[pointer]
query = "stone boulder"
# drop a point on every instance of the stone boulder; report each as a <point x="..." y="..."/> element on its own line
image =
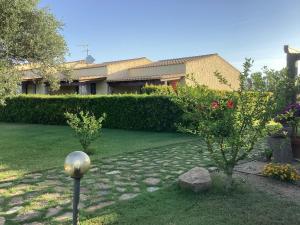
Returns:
<point x="197" y="179"/>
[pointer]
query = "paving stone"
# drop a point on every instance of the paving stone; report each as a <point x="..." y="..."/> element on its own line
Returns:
<point x="120" y="189"/>
<point x="103" y="186"/>
<point x="98" y="206"/>
<point x="34" y="223"/>
<point x="136" y="189"/>
<point x="83" y="197"/>
<point x="27" y="216"/>
<point x="127" y="196"/>
<point x="14" y="210"/>
<point x="212" y="169"/>
<point x="60" y="189"/>
<point x="94" y="169"/>
<point x="103" y="193"/>
<point x="7" y="184"/>
<point x="64" y="217"/>
<point x="152" y="181"/>
<point x="2" y="220"/>
<point x="152" y="189"/>
<point x="16" y="201"/>
<point x="53" y="211"/>
<point x="113" y="172"/>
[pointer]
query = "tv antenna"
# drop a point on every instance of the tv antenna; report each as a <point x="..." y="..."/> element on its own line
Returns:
<point x="85" y="48"/>
<point x="89" y="59"/>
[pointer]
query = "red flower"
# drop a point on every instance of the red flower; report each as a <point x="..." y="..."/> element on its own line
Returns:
<point x="230" y="104"/>
<point x="215" y="104"/>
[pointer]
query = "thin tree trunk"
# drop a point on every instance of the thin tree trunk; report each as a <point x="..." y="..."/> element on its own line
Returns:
<point x="229" y="179"/>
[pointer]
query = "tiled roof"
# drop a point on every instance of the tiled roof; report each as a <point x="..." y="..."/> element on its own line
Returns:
<point x="87" y="78"/>
<point x="168" y="62"/>
<point x="139" y="78"/>
<point x="87" y="66"/>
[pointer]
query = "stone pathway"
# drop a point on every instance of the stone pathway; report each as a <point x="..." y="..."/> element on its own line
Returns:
<point x="45" y="197"/>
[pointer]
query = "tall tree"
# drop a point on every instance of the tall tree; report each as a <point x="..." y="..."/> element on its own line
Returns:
<point x="28" y="35"/>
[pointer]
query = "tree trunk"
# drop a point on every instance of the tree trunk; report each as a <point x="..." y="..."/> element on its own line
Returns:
<point x="229" y="179"/>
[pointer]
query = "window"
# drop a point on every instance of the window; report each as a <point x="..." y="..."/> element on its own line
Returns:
<point x="93" y="88"/>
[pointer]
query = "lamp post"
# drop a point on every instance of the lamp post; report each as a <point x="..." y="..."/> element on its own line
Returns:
<point x="76" y="165"/>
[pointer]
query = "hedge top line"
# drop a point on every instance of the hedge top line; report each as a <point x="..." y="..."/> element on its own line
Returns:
<point x="42" y="96"/>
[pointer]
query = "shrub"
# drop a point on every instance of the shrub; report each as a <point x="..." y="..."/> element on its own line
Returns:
<point x="273" y="128"/>
<point x="133" y="112"/>
<point x="284" y="172"/>
<point x="157" y="89"/>
<point x="86" y="127"/>
<point x="230" y="123"/>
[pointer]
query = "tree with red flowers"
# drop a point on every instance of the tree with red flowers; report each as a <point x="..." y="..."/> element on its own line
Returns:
<point x="229" y="122"/>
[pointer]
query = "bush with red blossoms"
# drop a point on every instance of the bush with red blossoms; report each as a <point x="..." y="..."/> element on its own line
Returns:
<point x="230" y="122"/>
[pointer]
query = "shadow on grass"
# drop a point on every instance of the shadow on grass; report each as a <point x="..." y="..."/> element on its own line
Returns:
<point x="173" y="206"/>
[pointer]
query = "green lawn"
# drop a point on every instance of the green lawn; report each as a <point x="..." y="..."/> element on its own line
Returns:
<point x="173" y="206"/>
<point x="25" y="147"/>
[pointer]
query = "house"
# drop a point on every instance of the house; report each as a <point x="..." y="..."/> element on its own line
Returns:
<point x="129" y="76"/>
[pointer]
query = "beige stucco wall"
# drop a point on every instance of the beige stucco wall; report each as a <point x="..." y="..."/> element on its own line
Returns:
<point x="101" y="88"/>
<point x="30" y="89"/>
<point x="157" y="70"/>
<point x="41" y="88"/>
<point x="203" y="71"/>
<point x="98" y="71"/>
<point x="127" y="64"/>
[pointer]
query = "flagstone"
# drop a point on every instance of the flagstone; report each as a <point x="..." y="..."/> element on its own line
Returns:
<point x="113" y="172"/>
<point x="116" y="178"/>
<point x="53" y="211"/>
<point x="27" y="216"/>
<point x="7" y="184"/>
<point x="120" y="189"/>
<point x="152" y="189"/>
<point x="94" y="169"/>
<point x="2" y="220"/>
<point x="33" y="223"/>
<point x="128" y="196"/>
<point x="16" y="201"/>
<point x="152" y="181"/>
<point x="14" y="210"/>
<point x="98" y="206"/>
<point x="64" y="217"/>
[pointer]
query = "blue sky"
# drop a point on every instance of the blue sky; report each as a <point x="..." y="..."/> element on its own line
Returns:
<point x="161" y="29"/>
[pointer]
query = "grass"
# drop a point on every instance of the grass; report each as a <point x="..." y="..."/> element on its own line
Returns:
<point x="27" y="147"/>
<point x="172" y="206"/>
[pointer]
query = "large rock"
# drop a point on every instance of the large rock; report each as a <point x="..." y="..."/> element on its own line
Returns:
<point x="197" y="179"/>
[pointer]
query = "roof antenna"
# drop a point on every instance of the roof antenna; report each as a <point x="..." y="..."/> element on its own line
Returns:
<point x="88" y="59"/>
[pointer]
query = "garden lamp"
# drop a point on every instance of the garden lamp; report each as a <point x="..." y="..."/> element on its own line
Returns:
<point x="76" y="165"/>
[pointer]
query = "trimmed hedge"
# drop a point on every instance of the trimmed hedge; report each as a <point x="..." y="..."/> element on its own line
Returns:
<point x="137" y="112"/>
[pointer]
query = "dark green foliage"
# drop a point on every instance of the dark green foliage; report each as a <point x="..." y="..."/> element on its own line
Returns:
<point x="136" y="112"/>
<point x="151" y="89"/>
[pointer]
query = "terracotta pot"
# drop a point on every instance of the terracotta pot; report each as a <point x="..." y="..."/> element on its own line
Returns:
<point x="296" y="147"/>
<point x="281" y="148"/>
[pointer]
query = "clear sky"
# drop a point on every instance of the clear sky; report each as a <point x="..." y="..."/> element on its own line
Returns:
<point x="161" y="29"/>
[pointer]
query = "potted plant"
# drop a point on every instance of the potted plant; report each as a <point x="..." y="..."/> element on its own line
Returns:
<point x="290" y="119"/>
<point x="279" y="142"/>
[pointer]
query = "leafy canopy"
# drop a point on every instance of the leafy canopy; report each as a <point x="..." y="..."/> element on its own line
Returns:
<point x="28" y="35"/>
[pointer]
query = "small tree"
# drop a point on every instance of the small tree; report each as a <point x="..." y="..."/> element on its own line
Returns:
<point x="229" y="122"/>
<point x="86" y="126"/>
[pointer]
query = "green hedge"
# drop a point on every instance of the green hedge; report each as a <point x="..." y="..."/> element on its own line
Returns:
<point x="137" y="112"/>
